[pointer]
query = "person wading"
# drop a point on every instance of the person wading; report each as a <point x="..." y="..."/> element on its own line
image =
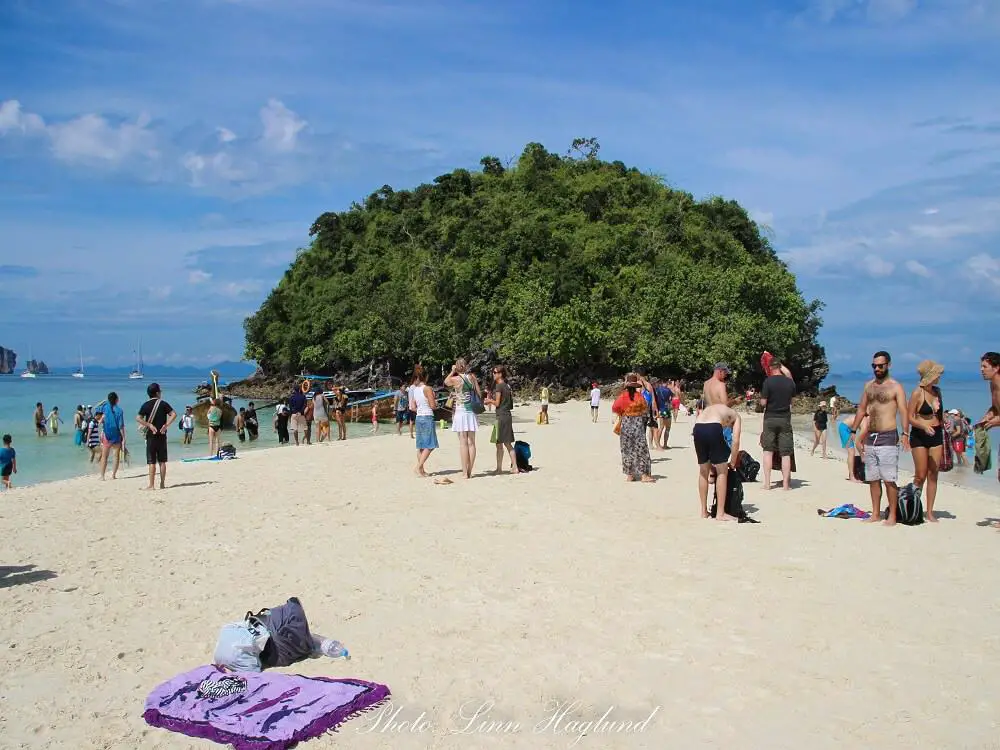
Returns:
<point x="884" y="400"/>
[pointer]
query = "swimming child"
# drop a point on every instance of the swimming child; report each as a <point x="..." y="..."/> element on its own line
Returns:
<point x="8" y="461"/>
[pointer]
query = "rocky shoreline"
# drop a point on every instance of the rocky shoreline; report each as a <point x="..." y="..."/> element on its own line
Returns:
<point x="260" y="387"/>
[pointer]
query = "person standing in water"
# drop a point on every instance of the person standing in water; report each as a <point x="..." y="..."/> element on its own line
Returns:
<point x="253" y="425"/>
<point x="927" y="436"/>
<point x="78" y="424"/>
<point x="54" y="420"/>
<point x="40" y="429"/>
<point x="884" y="401"/>
<point x="187" y="426"/>
<point x="241" y="425"/>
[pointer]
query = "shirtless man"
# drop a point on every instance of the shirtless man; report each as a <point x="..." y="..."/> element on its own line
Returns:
<point x="714" y="389"/>
<point x="989" y="368"/>
<point x="885" y="401"/>
<point x="712" y="451"/>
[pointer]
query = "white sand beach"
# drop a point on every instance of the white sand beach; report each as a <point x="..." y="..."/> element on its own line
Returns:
<point x="511" y="594"/>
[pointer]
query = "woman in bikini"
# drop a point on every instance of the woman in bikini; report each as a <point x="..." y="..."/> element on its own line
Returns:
<point x="214" y="427"/>
<point x="927" y="432"/>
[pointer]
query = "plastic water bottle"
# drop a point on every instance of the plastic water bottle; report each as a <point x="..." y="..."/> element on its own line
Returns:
<point x="334" y="649"/>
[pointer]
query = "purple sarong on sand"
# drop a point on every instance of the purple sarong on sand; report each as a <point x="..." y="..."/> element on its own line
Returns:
<point x="274" y="712"/>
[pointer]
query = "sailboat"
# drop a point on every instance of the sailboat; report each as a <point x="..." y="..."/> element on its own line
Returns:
<point x="28" y="372"/>
<point x="136" y="373"/>
<point x="79" y="373"/>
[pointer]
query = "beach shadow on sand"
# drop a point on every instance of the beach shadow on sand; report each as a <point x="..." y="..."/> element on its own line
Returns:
<point x="986" y="522"/>
<point x="944" y="515"/>
<point x="190" y="484"/>
<point x="15" y="575"/>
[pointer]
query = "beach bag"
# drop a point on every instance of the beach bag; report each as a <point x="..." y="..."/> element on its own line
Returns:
<point x="522" y="454"/>
<point x="747" y="467"/>
<point x="734" y="499"/>
<point x="493" y="435"/>
<point x="290" y="640"/>
<point x="475" y="400"/>
<point x="947" y="454"/>
<point x="910" y="509"/>
<point x="859" y="468"/>
<point x="239" y="647"/>
<point x="227" y="451"/>
<point x="617" y="429"/>
<point x="152" y="413"/>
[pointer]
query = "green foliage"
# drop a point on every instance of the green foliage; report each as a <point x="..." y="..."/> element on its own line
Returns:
<point x="564" y="267"/>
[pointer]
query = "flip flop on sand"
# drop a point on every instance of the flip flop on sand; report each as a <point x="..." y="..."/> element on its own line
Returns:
<point x="443" y="480"/>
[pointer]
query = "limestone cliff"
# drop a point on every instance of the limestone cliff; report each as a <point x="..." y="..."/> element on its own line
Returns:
<point x="8" y="361"/>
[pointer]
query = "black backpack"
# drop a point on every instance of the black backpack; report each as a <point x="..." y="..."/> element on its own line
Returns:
<point x="910" y="510"/>
<point x="227" y="451"/>
<point x="734" y="499"/>
<point x="747" y="467"/>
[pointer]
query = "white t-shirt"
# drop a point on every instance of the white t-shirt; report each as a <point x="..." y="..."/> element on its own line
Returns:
<point x="595" y="397"/>
<point x="833" y="401"/>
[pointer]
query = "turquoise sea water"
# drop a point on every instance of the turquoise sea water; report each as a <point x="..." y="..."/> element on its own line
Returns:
<point x="56" y="457"/>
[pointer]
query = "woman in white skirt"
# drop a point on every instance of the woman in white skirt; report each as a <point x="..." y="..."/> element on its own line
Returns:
<point x="464" y="421"/>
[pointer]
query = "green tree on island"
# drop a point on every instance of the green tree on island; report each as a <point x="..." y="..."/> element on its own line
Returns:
<point x="565" y="267"/>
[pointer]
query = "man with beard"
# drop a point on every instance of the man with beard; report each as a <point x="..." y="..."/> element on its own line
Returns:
<point x="884" y="400"/>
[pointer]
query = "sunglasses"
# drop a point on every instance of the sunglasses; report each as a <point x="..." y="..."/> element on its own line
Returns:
<point x="876" y="366"/>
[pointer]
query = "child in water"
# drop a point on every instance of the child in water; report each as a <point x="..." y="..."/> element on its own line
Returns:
<point x="374" y="418"/>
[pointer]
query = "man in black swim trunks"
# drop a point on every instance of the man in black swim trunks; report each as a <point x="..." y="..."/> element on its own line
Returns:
<point x="712" y="451"/>
<point x="156" y="416"/>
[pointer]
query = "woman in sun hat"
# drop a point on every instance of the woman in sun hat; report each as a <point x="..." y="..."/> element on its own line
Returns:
<point x="927" y="432"/>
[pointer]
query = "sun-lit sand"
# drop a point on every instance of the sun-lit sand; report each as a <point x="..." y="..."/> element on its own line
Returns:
<point x="510" y="596"/>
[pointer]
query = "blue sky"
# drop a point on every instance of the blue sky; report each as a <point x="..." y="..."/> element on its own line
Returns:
<point x="160" y="161"/>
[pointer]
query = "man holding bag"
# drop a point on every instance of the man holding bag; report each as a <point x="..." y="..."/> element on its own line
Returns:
<point x="154" y="418"/>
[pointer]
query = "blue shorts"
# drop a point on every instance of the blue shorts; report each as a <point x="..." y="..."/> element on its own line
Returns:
<point x="404" y="417"/>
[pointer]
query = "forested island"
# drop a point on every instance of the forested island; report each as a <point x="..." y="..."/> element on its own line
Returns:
<point x="565" y="267"/>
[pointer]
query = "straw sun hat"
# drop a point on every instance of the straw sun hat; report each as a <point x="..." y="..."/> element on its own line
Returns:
<point x="928" y="370"/>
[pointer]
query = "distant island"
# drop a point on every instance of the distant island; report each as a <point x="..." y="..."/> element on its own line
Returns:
<point x="8" y="361"/>
<point x="565" y="267"/>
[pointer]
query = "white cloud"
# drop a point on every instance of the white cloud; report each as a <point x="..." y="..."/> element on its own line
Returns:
<point x="225" y="135"/>
<point x="160" y="293"/>
<point x="917" y="268"/>
<point x="983" y="270"/>
<point x="281" y="125"/>
<point x="91" y="137"/>
<point x="221" y="166"/>
<point x="877" y="266"/>
<point x="12" y="117"/>
<point x="929" y="211"/>
<point x="239" y="288"/>
<point x="198" y="277"/>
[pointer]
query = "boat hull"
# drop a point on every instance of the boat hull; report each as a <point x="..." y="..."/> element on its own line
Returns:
<point x="200" y="412"/>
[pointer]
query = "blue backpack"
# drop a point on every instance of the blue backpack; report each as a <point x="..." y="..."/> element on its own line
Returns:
<point x="522" y="452"/>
